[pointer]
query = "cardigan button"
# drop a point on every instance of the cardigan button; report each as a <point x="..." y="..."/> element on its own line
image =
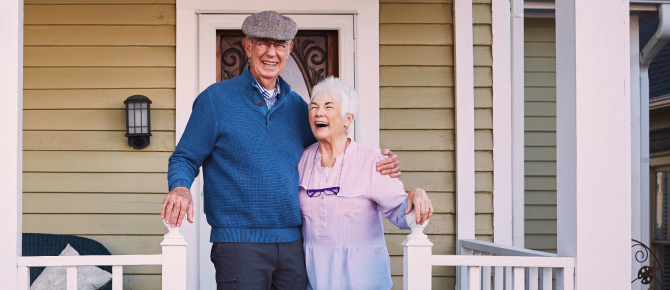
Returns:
<point x="269" y="118"/>
<point x="260" y="103"/>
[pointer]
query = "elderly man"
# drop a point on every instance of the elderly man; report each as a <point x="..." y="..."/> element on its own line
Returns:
<point x="248" y="134"/>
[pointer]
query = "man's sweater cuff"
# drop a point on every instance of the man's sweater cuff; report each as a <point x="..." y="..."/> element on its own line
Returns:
<point x="180" y="182"/>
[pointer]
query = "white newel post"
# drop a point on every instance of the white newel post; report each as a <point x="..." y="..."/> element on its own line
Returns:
<point x="174" y="260"/>
<point x="593" y="143"/>
<point x="417" y="259"/>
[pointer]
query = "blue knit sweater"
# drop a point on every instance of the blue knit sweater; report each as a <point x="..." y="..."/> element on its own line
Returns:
<point x="249" y="156"/>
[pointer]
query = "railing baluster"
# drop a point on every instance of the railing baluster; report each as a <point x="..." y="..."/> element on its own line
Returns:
<point x="546" y="278"/>
<point x="519" y="278"/>
<point x="475" y="278"/>
<point x="117" y="277"/>
<point x="72" y="278"/>
<point x="24" y="278"/>
<point x="532" y="278"/>
<point x="499" y="276"/>
<point x="508" y="278"/>
<point x="486" y="278"/>
<point x="567" y="277"/>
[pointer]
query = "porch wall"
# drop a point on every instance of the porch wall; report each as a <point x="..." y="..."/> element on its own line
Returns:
<point x="540" y="136"/>
<point x="417" y="117"/>
<point x="81" y="61"/>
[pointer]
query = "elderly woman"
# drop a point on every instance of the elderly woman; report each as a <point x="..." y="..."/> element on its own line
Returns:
<point x="342" y="198"/>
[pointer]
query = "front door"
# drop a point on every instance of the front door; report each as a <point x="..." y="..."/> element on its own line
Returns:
<point x="324" y="46"/>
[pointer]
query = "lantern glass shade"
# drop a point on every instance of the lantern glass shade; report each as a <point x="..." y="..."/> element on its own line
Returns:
<point x="138" y="121"/>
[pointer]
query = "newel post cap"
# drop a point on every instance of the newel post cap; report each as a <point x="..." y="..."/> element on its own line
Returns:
<point x="417" y="237"/>
<point x="173" y="237"/>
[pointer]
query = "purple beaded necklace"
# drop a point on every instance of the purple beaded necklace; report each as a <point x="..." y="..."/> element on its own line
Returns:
<point x="330" y="190"/>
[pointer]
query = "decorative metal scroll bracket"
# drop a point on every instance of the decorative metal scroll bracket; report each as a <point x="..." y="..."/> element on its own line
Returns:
<point x="647" y="274"/>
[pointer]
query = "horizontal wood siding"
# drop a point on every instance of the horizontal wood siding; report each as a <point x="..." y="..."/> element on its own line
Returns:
<point x="417" y="117"/>
<point x="540" y="135"/>
<point x="82" y="59"/>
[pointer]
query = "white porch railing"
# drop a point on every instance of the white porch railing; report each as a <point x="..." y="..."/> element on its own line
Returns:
<point x="172" y="260"/>
<point x="491" y="266"/>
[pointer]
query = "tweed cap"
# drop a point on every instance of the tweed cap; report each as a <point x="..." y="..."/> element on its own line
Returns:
<point x="271" y="25"/>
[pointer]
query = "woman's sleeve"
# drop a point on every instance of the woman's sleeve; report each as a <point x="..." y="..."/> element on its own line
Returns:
<point x="389" y="194"/>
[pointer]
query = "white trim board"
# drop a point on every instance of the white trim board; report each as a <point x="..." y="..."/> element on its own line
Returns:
<point x="365" y="26"/>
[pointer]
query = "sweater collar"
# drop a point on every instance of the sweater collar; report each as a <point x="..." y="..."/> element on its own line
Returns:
<point x="247" y="81"/>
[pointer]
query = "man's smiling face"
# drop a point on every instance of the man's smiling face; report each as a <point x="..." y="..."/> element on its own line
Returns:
<point x="267" y="58"/>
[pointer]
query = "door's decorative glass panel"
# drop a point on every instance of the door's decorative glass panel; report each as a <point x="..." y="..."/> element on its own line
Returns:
<point x="293" y="76"/>
<point x="661" y="205"/>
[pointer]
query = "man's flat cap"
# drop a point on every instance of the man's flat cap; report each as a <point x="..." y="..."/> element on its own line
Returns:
<point x="271" y="25"/>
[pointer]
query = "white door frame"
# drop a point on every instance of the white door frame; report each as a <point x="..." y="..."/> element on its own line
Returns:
<point x="190" y="79"/>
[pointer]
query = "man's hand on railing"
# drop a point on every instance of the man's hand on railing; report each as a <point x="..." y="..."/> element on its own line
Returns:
<point x="418" y="199"/>
<point x="177" y="205"/>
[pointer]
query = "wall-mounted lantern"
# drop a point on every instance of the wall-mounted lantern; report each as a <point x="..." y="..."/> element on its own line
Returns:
<point x="138" y="121"/>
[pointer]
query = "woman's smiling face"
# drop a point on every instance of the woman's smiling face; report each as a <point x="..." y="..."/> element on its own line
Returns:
<point x="325" y="118"/>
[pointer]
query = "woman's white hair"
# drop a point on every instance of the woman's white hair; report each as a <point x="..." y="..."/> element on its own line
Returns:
<point x="343" y="94"/>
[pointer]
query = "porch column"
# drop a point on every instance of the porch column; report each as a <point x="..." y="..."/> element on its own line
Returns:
<point x="11" y="86"/>
<point x="594" y="140"/>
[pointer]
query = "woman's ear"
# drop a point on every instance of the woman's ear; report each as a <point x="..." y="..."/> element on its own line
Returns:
<point x="348" y="120"/>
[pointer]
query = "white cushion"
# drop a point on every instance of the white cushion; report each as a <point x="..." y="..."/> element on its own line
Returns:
<point x="55" y="278"/>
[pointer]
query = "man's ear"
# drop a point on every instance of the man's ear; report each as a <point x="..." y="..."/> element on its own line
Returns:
<point x="290" y="47"/>
<point x="246" y="42"/>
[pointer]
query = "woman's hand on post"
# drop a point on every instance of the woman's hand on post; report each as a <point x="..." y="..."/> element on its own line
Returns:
<point x="177" y="205"/>
<point x="389" y="165"/>
<point x="423" y="208"/>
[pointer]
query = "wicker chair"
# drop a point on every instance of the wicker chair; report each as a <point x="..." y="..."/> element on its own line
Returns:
<point x="53" y="245"/>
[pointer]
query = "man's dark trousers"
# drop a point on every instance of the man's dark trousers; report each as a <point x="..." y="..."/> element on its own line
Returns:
<point x="256" y="266"/>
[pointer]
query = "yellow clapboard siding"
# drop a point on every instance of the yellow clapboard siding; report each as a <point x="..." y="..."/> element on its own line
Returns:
<point x="437" y="282"/>
<point x="541" y="242"/>
<point x="540" y="109"/>
<point x="417" y="119"/>
<point x="443" y="202"/>
<point x="95" y="161"/>
<point x="417" y="139"/>
<point x="426" y="160"/>
<point x="56" y="35"/>
<point x="542" y="168"/>
<point x="540" y="79"/>
<point x="540" y="49"/>
<point x="93" y="224"/>
<point x="540" y="94"/>
<point x="483" y="56"/>
<point x="540" y="34"/>
<point x="540" y="197"/>
<point x="439" y="224"/>
<point x="397" y="269"/>
<point x="95" y="98"/>
<point x="659" y="160"/>
<point x="416" y="34"/>
<point x="98" y="78"/>
<point x="416" y="55"/>
<point x="483" y="98"/>
<point x="442" y="244"/>
<point x="540" y="22"/>
<point x="482" y="34"/>
<point x="418" y="97"/>
<point x="484" y="181"/>
<point x="483" y="161"/>
<point x="540" y="64"/>
<point x="130" y="245"/>
<point x="88" y="140"/>
<point x="540" y="183"/>
<point x="540" y="138"/>
<point x="538" y="124"/>
<point x="481" y="13"/>
<point x="539" y="212"/>
<point x="429" y="181"/>
<point x="416" y="76"/>
<point x="141" y="282"/>
<point x="483" y="140"/>
<point x="483" y="119"/>
<point x="483" y="224"/>
<point x="91" y="120"/>
<point x="100" y="14"/>
<point x="92" y="203"/>
<point x="33" y="2"/>
<point x="95" y="182"/>
<point x="415" y="13"/>
<point x="483" y="77"/>
<point x="153" y="56"/>
<point x="483" y="202"/>
<point x="540" y="153"/>
<point x="541" y="227"/>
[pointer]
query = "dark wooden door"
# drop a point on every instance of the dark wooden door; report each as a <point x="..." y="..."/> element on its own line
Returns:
<point x="314" y="57"/>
